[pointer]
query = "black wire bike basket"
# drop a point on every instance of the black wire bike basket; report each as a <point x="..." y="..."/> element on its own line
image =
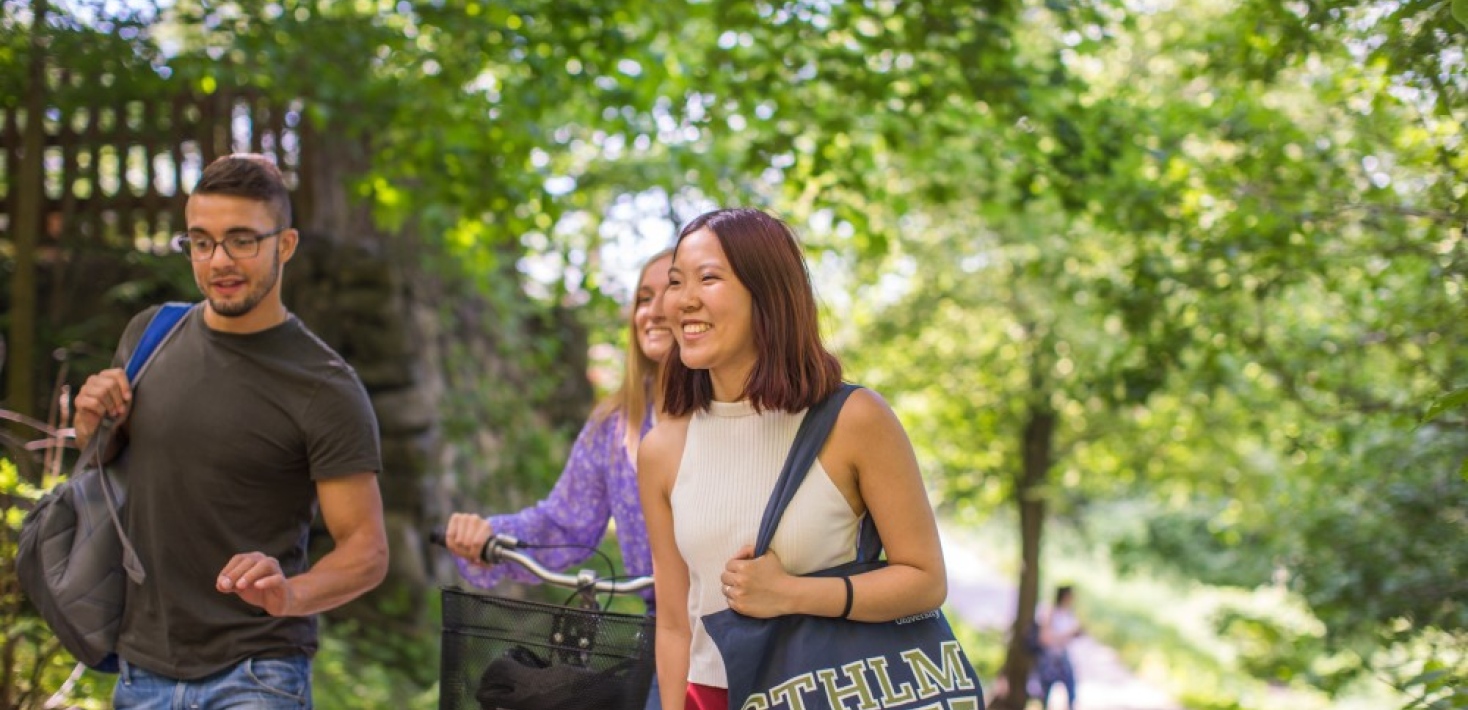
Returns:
<point x="512" y="654"/>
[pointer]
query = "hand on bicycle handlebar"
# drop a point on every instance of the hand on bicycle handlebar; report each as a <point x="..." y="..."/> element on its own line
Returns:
<point x="505" y="548"/>
<point x="467" y="535"/>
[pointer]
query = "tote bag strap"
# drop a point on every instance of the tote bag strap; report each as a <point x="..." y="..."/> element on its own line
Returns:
<point x="809" y="439"/>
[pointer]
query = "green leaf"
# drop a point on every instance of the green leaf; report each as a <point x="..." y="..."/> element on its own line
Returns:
<point x="1452" y="400"/>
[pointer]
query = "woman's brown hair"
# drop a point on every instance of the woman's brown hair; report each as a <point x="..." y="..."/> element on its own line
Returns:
<point x="793" y="370"/>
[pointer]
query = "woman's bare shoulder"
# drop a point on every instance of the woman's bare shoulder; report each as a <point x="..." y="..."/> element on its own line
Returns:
<point x="865" y="411"/>
<point x="867" y="433"/>
<point x="663" y="446"/>
<point x="668" y="429"/>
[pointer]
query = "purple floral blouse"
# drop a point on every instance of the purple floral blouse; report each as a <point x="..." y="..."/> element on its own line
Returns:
<point x="598" y="484"/>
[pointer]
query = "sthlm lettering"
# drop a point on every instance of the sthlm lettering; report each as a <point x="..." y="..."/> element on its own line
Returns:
<point x="870" y="685"/>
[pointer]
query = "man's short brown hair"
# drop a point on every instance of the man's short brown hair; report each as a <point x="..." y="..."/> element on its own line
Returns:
<point x="252" y="176"/>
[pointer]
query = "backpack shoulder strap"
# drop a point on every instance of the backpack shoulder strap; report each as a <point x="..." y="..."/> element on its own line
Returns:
<point x="162" y="327"/>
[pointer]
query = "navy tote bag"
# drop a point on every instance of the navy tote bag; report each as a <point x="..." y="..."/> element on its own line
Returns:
<point x="824" y="663"/>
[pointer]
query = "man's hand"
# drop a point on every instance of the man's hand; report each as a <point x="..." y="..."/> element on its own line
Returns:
<point x="257" y="579"/>
<point x="105" y="394"/>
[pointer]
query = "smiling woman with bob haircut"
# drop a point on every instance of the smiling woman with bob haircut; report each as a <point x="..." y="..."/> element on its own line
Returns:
<point x="746" y="365"/>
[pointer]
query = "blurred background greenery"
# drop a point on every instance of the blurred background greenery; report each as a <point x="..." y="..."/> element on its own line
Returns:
<point x="1169" y="293"/>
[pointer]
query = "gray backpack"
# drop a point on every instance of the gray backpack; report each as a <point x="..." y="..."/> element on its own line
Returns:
<point x="73" y="558"/>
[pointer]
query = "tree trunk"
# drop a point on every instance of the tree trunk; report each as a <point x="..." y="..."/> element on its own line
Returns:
<point x="30" y="193"/>
<point x="1037" y="456"/>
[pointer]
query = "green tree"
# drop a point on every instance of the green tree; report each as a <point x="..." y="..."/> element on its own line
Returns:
<point x="1208" y="258"/>
<point x="1223" y="276"/>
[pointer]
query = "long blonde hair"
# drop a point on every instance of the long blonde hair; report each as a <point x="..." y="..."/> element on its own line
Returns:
<point x="639" y="375"/>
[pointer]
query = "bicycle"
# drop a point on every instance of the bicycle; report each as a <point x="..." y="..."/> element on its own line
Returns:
<point x="511" y="654"/>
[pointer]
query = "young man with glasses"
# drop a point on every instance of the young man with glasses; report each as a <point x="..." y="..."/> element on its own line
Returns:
<point x="247" y="422"/>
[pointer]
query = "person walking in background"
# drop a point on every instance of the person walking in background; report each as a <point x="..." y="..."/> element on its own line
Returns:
<point x="747" y="364"/>
<point x="1058" y="629"/>
<point x="599" y="482"/>
<point x="248" y="422"/>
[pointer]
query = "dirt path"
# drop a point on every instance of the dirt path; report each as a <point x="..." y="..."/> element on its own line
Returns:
<point x="984" y="597"/>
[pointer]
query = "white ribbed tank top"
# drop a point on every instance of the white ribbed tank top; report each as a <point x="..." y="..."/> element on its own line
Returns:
<point x="731" y="460"/>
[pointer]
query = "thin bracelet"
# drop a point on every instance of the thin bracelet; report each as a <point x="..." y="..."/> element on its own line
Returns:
<point x="846" y="611"/>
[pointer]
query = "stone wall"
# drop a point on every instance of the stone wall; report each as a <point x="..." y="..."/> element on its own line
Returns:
<point x="413" y="341"/>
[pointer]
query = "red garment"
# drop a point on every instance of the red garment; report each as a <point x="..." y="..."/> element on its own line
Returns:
<point x="703" y="697"/>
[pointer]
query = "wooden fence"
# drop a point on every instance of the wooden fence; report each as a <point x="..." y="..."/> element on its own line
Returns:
<point x="117" y="174"/>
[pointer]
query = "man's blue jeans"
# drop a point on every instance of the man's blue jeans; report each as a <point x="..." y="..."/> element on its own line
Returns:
<point x="253" y="684"/>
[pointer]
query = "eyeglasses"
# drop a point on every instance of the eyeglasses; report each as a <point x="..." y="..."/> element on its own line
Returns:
<point x="238" y="245"/>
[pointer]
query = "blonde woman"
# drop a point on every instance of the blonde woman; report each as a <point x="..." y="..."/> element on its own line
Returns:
<point x="599" y="482"/>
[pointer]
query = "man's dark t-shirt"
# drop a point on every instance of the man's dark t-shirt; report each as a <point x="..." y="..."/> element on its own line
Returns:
<point x="226" y="438"/>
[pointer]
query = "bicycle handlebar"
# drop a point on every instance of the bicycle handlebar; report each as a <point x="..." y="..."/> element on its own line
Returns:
<point x="500" y="548"/>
